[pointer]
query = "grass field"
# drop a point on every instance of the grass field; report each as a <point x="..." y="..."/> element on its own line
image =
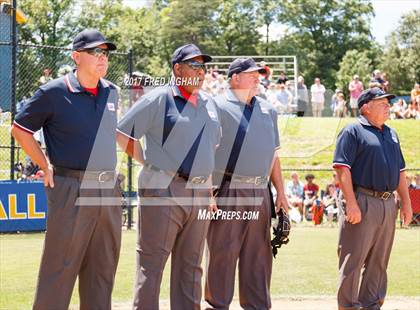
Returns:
<point x="306" y="266"/>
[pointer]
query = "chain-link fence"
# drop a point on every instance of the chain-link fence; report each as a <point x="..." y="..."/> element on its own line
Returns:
<point x="36" y="65"/>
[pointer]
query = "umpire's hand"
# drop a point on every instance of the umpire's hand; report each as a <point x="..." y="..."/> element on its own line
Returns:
<point x="282" y="203"/>
<point x="406" y="213"/>
<point x="48" y="176"/>
<point x="353" y="214"/>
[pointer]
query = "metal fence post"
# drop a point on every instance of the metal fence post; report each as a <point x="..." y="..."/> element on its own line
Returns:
<point x="13" y="95"/>
<point x="129" y="160"/>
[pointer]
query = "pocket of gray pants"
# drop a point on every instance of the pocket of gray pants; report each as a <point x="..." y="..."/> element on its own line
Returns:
<point x="362" y="201"/>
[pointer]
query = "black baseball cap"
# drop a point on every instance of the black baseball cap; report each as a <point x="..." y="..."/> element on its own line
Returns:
<point x="186" y="52"/>
<point x="90" y="38"/>
<point x="371" y="94"/>
<point x="243" y="65"/>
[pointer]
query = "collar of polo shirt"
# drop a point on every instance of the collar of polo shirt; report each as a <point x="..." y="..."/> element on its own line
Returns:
<point x="363" y="120"/>
<point x="230" y="96"/>
<point x="74" y="86"/>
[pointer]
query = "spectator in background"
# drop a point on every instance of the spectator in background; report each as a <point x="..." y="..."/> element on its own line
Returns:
<point x="265" y="74"/>
<point x="334" y="99"/>
<point x="46" y="77"/>
<point x="31" y="170"/>
<point x="310" y="191"/>
<point x="209" y="83"/>
<point x="294" y="193"/>
<point x="376" y="80"/>
<point x="137" y="86"/>
<point x="340" y="109"/>
<point x="412" y="111"/>
<point x="271" y="94"/>
<point x="64" y="70"/>
<point x="387" y="84"/>
<point x="302" y="96"/>
<point x="355" y="89"/>
<point x="317" y="97"/>
<point x="282" y="78"/>
<point x="410" y="181"/>
<point x="284" y="99"/>
<point x="329" y="202"/>
<point x="397" y="111"/>
<point x="221" y="85"/>
<point x="415" y="92"/>
<point x="261" y="91"/>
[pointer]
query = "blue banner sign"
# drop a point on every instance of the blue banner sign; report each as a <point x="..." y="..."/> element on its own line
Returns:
<point x="23" y="206"/>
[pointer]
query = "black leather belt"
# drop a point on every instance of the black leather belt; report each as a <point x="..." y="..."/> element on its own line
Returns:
<point x="100" y="176"/>
<point x="233" y="178"/>
<point x="185" y="177"/>
<point x="373" y="193"/>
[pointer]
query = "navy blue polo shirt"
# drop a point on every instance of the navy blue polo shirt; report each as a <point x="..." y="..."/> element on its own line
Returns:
<point x="79" y="128"/>
<point x="256" y="124"/>
<point x="374" y="156"/>
<point x="178" y="135"/>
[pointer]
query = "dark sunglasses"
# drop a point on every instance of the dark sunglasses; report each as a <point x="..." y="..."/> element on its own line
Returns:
<point x="195" y="65"/>
<point x="96" y="51"/>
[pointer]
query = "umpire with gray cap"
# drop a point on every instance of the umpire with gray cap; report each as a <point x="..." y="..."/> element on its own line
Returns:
<point x="245" y="160"/>
<point x="78" y="115"/>
<point x="181" y="130"/>
<point x="370" y="167"/>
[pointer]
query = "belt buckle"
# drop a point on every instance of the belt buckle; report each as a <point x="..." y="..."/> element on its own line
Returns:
<point x="385" y="195"/>
<point x="102" y="174"/>
<point x="259" y="180"/>
<point x="198" y="180"/>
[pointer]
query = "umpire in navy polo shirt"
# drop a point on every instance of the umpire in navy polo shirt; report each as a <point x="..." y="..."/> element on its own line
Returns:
<point x="181" y="130"/>
<point x="245" y="160"/>
<point x="77" y="113"/>
<point x="370" y="167"/>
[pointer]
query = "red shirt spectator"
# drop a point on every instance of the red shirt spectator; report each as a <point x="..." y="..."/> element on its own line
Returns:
<point x="310" y="189"/>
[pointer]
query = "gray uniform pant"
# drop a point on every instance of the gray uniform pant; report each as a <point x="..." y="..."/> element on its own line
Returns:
<point x="80" y="241"/>
<point x="170" y="225"/>
<point x="366" y="245"/>
<point x="247" y="241"/>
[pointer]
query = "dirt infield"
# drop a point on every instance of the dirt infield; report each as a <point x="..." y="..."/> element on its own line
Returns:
<point x="307" y="303"/>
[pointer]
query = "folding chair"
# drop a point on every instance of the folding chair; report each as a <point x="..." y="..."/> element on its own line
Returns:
<point x="415" y="205"/>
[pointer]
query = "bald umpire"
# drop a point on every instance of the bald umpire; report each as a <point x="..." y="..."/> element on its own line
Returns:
<point x="370" y="167"/>
<point x="77" y="113"/>
<point x="181" y="130"/>
<point x="245" y="160"/>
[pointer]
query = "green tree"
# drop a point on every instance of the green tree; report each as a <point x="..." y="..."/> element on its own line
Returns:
<point x="46" y="25"/>
<point x="237" y="28"/>
<point x="130" y="29"/>
<point x="267" y="13"/>
<point x="354" y="62"/>
<point x="188" y="21"/>
<point x="401" y="58"/>
<point x="47" y="21"/>
<point x="324" y="30"/>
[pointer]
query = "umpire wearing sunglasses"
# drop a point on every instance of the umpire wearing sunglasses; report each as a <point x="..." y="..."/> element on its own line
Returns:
<point x="77" y="113"/>
<point x="181" y="130"/>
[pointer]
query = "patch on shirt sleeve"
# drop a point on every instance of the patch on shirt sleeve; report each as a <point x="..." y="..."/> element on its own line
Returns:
<point x="111" y="106"/>
<point x="212" y="115"/>
<point x="394" y="137"/>
<point x="264" y="110"/>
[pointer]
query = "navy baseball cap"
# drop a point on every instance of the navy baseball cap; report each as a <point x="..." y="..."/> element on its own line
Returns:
<point x="90" y="38"/>
<point x="243" y="65"/>
<point x="186" y="52"/>
<point x="371" y="94"/>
